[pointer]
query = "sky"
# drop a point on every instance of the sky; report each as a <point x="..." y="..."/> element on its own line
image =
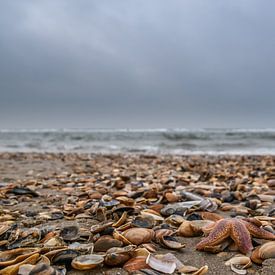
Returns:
<point x="137" y="64"/>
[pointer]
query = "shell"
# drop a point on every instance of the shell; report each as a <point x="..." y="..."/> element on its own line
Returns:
<point x="263" y="252"/>
<point x="167" y="267"/>
<point x="117" y="256"/>
<point x="143" y="222"/>
<point x="139" y="235"/>
<point x="105" y="242"/>
<point x="239" y="260"/>
<point x="86" y="262"/>
<point x="14" y="256"/>
<point x="135" y="264"/>
<point x="13" y="269"/>
<point x="69" y="232"/>
<point x="170" y="242"/>
<point x="193" y="228"/>
<point x="64" y="257"/>
<point x="43" y="269"/>
<point x="121" y="221"/>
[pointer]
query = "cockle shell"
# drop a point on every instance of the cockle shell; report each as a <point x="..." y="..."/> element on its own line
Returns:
<point x="86" y="262"/>
<point x="139" y="235"/>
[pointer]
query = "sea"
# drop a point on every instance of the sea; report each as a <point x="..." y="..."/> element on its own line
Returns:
<point x="140" y="141"/>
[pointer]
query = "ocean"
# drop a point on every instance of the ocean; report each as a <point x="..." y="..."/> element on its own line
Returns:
<point x="143" y="141"/>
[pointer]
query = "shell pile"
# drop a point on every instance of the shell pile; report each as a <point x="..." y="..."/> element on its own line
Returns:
<point x="98" y="212"/>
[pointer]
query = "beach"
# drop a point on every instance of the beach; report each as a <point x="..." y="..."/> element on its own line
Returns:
<point x="48" y="190"/>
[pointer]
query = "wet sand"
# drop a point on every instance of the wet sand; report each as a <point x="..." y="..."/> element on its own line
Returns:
<point x="66" y="179"/>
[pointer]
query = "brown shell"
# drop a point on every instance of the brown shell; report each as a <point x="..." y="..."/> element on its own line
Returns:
<point x="135" y="264"/>
<point x="105" y="242"/>
<point x="139" y="235"/>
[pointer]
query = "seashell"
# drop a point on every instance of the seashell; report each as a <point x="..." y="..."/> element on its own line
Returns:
<point x="203" y="270"/>
<point x="172" y="197"/>
<point x="266" y="198"/>
<point x="55" y="241"/>
<point x="193" y="228"/>
<point x="162" y="232"/>
<point x="118" y="236"/>
<point x="139" y="235"/>
<point x="167" y="267"/>
<point x="141" y="252"/>
<point x="136" y="263"/>
<point x="179" y="207"/>
<point x="170" y="242"/>
<point x="64" y="257"/>
<point x="117" y="256"/>
<point x="210" y="216"/>
<point x="151" y="213"/>
<point x="4" y="228"/>
<point x="105" y="242"/>
<point x="69" y="232"/>
<point x="13" y="269"/>
<point x="86" y="262"/>
<point x="25" y="269"/>
<point x="50" y="254"/>
<point x="121" y="221"/>
<point x="82" y="248"/>
<point x="263" y="252"/>
<point x="143" y="222"/>
<point x="14" y="256"/>
<point x="97" y="228"/>
<point x="149" y="246"/>
<point x="43" y="269"/>
<point x="43" y="259"/>
<point x="239" y="260"/>
<point x="174" y="220"/>
<point x="126" y="200"/>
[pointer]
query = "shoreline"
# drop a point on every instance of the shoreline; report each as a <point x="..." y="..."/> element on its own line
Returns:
<point x="68" y="179"/>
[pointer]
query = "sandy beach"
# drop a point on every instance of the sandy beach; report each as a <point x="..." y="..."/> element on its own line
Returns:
<point x="47" y="191"/>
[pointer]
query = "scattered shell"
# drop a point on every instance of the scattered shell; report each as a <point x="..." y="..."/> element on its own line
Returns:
<point x="139" y="235"/>
<point x="86" y="262"/>
<point x="136" y="263"/>
<point x="167" y="267"/>
<point x="239" y="260"/>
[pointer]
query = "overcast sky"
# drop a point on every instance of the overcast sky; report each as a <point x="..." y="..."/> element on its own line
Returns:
<point x="137" y="63"/>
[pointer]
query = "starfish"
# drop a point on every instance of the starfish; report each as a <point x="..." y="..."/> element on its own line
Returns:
<point x="239" y="230"/>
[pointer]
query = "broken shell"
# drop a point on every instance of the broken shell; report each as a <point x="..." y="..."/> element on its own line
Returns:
<point x="100" y="227"/>
<point x="170" y="242"/>
<point x="117" y="255"/>
<point x="153" y="214"/>
<point x="13" y="269"/>
<point x="174" y="220"/>
<point x="14" y="256"/>
<point x="239" y="260"/>
<point x="162" y="232"/>
<point x="105" y="242"/>
<point x="167" y="267"/>
<point x="139" y="235"/>
<point x="193" y="228"/>
<point x="118" y="236"/>
<point x="135" y="264"/>
<point x="69" y="232"/>
<point x="122" y="220"/>
<point x="64" y="257"/>
<point x="55" y="241"/>
<point x="144" y="222"/>
<point x="86" y="262"/>
<point x="44" y="269"/>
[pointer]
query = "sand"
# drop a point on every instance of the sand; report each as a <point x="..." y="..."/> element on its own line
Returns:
<point x="40" y="171"/>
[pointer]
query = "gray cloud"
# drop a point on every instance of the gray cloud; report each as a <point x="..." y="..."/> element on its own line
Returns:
<point x="137" y="63"/>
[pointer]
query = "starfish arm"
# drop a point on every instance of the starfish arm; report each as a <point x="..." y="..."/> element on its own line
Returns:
<point x="258" y="232"/>
<point x="241" y="236"/>
<point x="219" y="233"/>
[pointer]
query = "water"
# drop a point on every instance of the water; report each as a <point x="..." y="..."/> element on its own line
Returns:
<point x="154" y="141"/>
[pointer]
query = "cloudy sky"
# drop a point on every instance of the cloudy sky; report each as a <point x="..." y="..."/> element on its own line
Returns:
<point x="137" y="63"/>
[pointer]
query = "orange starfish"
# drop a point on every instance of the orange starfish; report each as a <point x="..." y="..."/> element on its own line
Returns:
<point x="238" y="230"/>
